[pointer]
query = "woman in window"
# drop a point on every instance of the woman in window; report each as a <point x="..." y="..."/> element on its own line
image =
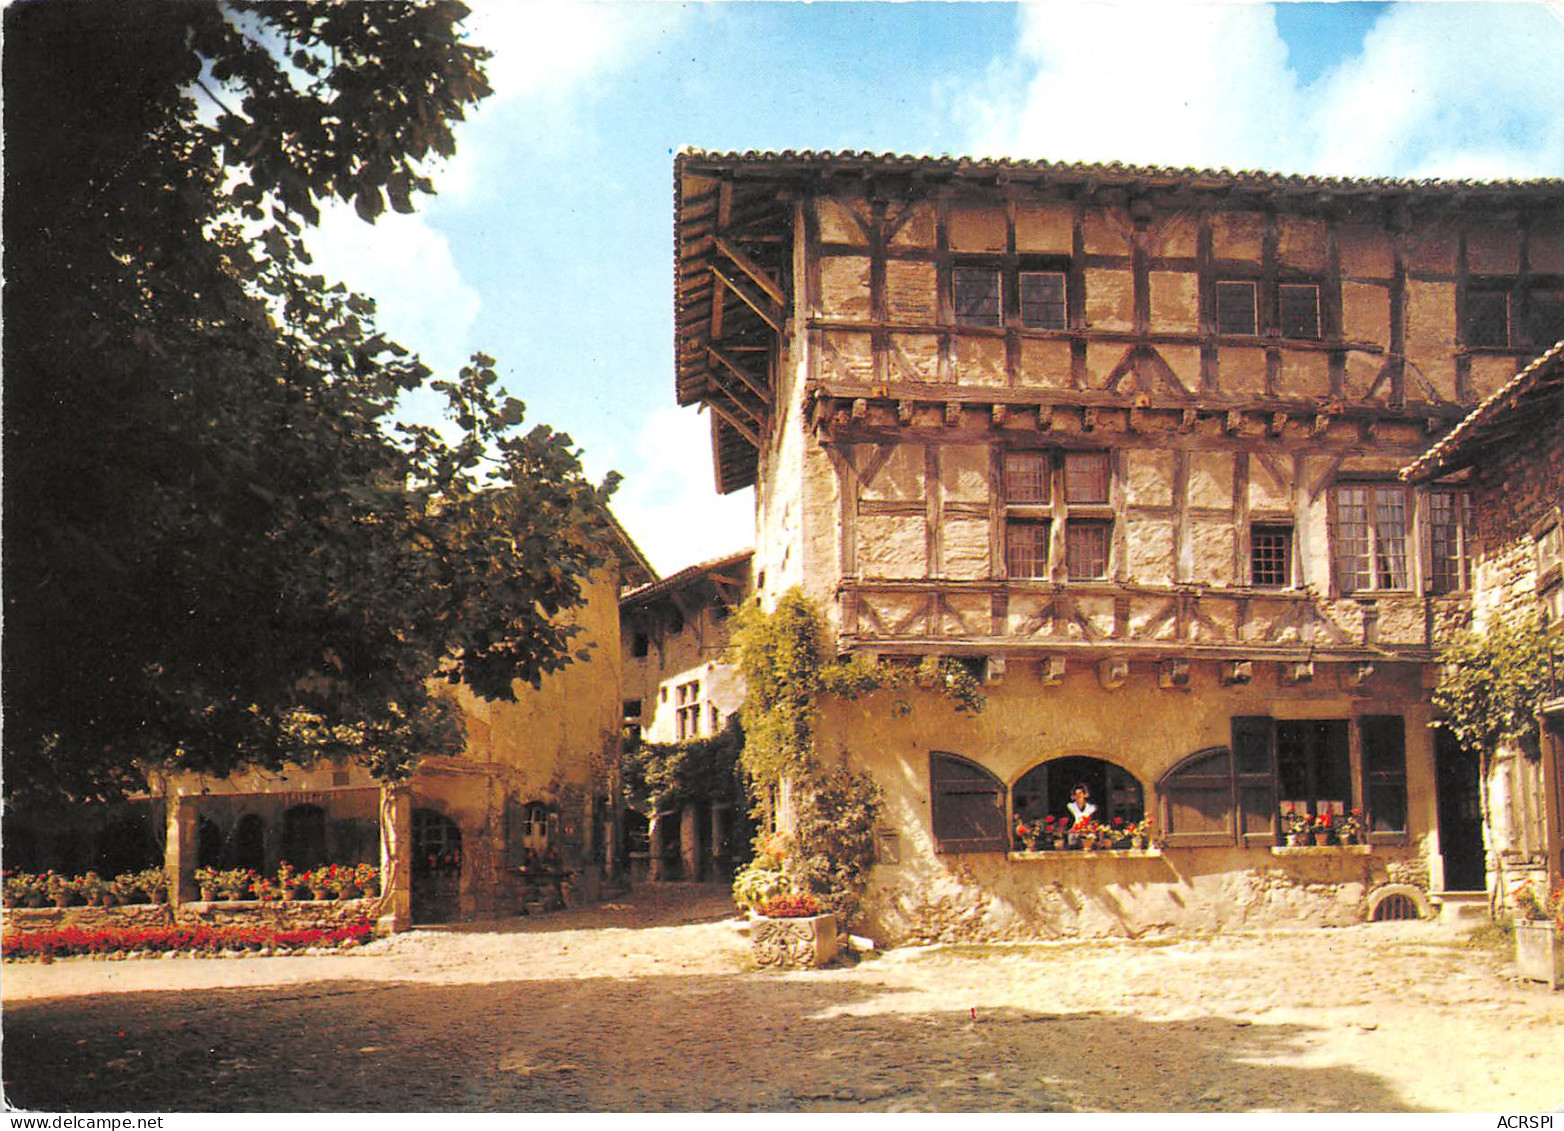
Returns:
<point x="1081" y="810"/>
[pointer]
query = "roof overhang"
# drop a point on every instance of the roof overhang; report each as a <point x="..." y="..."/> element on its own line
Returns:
<point x="1533" y="396"/>
<point x="733" y="246"/>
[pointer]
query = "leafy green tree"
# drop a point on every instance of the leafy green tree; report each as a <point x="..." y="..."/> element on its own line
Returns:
<point x="220" y="549"/>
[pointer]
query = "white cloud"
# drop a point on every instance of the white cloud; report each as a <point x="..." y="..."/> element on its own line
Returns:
<point x="406" y="267"/>
<point x="545" y="46"/>
<point x="668" y="503"/>
<point x="1452" y="90"/>
<point x="1449" y="90"/>
<point x="1170" y="84"/>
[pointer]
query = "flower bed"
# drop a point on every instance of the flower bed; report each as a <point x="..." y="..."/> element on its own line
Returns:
<point x="61" y="942"/>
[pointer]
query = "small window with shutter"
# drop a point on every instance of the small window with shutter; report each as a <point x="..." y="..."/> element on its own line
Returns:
<point x="967" y="806"/>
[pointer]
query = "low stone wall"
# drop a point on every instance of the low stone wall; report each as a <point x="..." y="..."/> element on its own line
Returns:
<point x="281" y="915"/>
<point x="995" y="897"/>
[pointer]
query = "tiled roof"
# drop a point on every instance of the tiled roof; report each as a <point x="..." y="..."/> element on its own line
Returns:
<point x="1544" y="376"/>
<point x="846" y="160"/>
<point x="684" y="577"/>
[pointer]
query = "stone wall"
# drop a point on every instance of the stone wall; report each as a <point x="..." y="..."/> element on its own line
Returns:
<point x="989" y="897"/>
<point x="1512" y="490"/>
<point x="919" y="892"/>
<point x="282" y="915"/>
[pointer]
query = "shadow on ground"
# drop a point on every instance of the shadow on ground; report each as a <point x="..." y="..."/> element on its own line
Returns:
<point x="741" y="1042"/>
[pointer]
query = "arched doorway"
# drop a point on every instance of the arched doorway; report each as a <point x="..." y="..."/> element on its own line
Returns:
<point x="437" y="867"/>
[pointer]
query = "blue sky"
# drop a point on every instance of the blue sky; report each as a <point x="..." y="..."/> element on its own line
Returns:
<point x="550" y="244"/>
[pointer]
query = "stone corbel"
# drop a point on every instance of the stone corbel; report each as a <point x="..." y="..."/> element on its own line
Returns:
<point x="994" y="670"/>
<point x="1173" y="675"/>
<point x="1237" y="672"/>
<point x="1050" y="671"/>
<point x="1113" y="674"/>
<point x="1356" y="675"/>
<point x="1297" y="671"/>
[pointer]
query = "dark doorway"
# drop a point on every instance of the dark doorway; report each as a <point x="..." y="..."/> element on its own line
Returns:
<point x="437" y="867"/>
<point x="1460" y="815"/>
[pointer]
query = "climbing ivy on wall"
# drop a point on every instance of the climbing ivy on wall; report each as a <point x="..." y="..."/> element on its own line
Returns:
<point x="663" y="776"/>
<point x="782" y="657"/>
<point x="1494" y="682"/>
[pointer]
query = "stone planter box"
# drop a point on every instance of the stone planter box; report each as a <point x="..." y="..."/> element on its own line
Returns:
<point x="1539" y="953"/>
<point x="795" y="942"/>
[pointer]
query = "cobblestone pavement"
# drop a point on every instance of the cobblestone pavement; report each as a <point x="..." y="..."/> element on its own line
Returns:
<point x="652" y="1005"/>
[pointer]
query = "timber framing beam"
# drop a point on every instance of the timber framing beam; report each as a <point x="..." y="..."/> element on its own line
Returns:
<point x="728" y="362"/>
<point x="754" y="270"/>
<point x="732" y="418"/>
<point x="768" y="313"/>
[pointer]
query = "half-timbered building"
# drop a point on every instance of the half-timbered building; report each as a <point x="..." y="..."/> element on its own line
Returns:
<point x="1126" y="440"/>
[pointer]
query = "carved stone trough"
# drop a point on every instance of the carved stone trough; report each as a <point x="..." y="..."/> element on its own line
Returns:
<point x="811" y="941"/>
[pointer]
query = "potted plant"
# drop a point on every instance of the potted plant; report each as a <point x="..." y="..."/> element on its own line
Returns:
<point x="1351" y="830"/>
<point x="791" y="931"/>
<point x="93" y="891"/>
<point x="264" y="889"/>
<point x="1539" y="935"/>
<point x="325" y="883"/>
<point x="1145" y="834"/>
<point x="126" y="890"/>
<point x="291" y="883"/>
<point x="367" y="878"/>
<point x="23" y="889"/>
<point x="1295" y="825"/>
<point x="153" y="881"/>
<point x="57" y="889"/>
<point x="1026" y="835"/>
<point x="1322" y="828"/>
<point x="206" y="880"/>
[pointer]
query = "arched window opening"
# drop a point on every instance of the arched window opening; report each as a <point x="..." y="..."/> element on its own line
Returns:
<point x="209" y="843"/>
<point x="437" y="842"/>
<point x="1045" y="790"/>
<point x="304" y="836"/>
<point x="967" y="806"/>
<point x="247" y="846"/>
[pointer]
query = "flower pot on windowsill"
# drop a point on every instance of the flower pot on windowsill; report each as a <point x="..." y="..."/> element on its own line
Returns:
<point x="1539" y="952"/>
<point x="807" y="941"/>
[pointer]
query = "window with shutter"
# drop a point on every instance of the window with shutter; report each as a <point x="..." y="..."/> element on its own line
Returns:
<point x="967" y="806"/>
<point x="1254" y="774"/>
<point x="1197" y="799"/>
<point x="1384" y="773"/>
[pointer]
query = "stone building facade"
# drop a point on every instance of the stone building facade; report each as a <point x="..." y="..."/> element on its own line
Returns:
<point x="679" y="686"/>
<point x="1509" y="453"/>
<point x="1126" y="441"/>
<point x="524" y="818"/>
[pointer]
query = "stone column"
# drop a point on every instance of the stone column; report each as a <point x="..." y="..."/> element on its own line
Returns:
<point x="179" y="852"/>
<point x="396" y="859"/>
<point x="654" y="848"/>
<point x="690" y="842"/>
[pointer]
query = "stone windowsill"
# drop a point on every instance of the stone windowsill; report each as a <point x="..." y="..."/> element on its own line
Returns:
<point x="1323" y="850"/>
<point x="1094" y="854"/>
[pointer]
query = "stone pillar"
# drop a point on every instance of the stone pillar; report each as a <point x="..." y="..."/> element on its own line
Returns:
<point x="654" y="848"/>
<point x="179" y="853"/>
<point x="690" y="842"/>
<point x="396" y="859"/>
